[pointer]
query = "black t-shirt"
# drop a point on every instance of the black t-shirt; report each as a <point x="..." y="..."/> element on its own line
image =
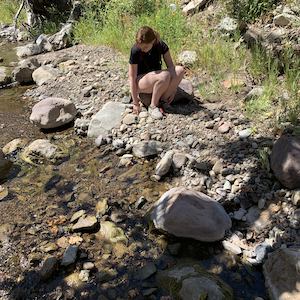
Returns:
<point x="148" y="61"/>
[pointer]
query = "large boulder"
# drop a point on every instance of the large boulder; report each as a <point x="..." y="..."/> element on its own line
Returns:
<point x="282" y="274"/>
<point x="185" y="212"/>
<point x="106" y="119"/>
<point x="188" y="280"/>
<point x="285" y="161"/>
<point x="53" y="112"/>
<point x="44" y="73"/>
<point x="29" y="50"/>
<point x="5" y="165"/>
<point x="23" y="72"/>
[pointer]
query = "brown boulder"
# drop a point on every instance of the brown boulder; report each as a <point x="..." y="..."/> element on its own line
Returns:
<point x="185" y="212"/>
<point x="281" y="272"/>
<point x="285" y="161"/>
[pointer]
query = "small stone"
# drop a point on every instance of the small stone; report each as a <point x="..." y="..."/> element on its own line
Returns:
<point x="146" y="271"/>
<point x="70" y="255"/>
<point x="88" y="266"/>
<point x="48" y="268"/>
<point x="244" y="133"/>
<point x="231" y="247"/>
<point x="84" y="275"/>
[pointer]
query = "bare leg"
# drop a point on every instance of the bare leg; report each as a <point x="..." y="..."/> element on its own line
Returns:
<point x="177" y="73"/>
<point x="156" y="82"/>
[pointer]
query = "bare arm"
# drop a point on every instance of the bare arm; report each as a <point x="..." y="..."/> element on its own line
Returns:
<point x="168" y="59"/>
<point x="133" y="87"/>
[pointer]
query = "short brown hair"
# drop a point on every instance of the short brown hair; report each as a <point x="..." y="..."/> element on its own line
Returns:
<point x="146" y="35"/>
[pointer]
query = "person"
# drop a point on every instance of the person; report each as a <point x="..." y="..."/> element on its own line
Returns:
<point x="146" y="75"/>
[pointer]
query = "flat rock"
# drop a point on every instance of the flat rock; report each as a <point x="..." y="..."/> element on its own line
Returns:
<point x="44" y="73"/>
<point x="106" y="119"/>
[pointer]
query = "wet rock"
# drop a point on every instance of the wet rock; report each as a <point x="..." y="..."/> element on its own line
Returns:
<point x="84" y="275"/>
<point x="282" y="275"/>
<point x="5" y="165"/>
<point x="261" y="250"/>
<point x="73" y="281"/>
<point x="13" y="146"/>
<point x="285" y="161"/>
<point x="147" y="148"/>
<point x="146" y="271"/>
<point x="48" y="268"/>
<point x="111" y="232"/>
<point x="3" y="192"/>
<point x="70" y="255"/>
<point x="164" y="164"/>
<point x="23" y="73"/>
<point x="49" y="247"/>
<point x="101" y="207"/>
<point x="40" y="149"/>
<point x="106" y="119"/>
<point x="185" y="212"/>
<point x="53" y="112"/>
<point x="5" y="232"/>
<point x="107" y="274"/>
<point x="189" y="280"/>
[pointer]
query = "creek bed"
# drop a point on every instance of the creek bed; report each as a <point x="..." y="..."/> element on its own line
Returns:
<point x="42" y="198"/>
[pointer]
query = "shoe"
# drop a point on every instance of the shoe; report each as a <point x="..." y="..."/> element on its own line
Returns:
<point x="155" y="112"/>
<point x="167" y="108"/>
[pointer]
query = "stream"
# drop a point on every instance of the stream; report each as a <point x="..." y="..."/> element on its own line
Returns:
<point x="42" y="198"/>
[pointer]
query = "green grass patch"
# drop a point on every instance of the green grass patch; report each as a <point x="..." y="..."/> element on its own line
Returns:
<point x="8" y="10"/>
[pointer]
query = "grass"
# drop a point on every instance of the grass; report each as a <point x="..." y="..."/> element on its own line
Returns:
<point x="8" y="10"/>
<point x="114" y="23"/>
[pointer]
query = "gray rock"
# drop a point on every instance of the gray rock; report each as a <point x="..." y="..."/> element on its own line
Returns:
<point x="53" y="112"/>
<point x="5" y="165"/>
<point x="283" y="19"/>
<point x="261" y="250"/>
<point x="244" y="133"/>
<point x="185" y="212"/>
<point x="281" y="273"/>
<point x="147" y="148"/>
<point x="117" y="144"/>
<point x="44" y="73"/>
<point x="48" y="268"/>
<point x="285" y="161"/>
<point x="254" y="93"/>
<point x="146" y="271"/>
<point x="196" y="288"/>
<point x="164" y="164"/>
<point x="179" y="160"/>
<point x="106" y="119"/>
<point x="29" y="50"/>
<point x="23" y="73"/>
<point x="194" y="6"/>
<point x="13" y="146"/>
<point x="70" y="255"/>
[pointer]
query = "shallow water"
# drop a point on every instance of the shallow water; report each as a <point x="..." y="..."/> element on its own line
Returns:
<point x="42" y="198"/>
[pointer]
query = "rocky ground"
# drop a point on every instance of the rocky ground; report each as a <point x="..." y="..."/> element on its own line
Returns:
<point x="220" y="145"/>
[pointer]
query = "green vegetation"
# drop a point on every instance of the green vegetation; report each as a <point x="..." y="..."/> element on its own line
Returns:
<point x="115" y="23"/>
<point x="8" y="10"/>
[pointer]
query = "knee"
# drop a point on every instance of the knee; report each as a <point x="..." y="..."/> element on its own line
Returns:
<point x="179" y="70"/>
<point x="165" y="76"/>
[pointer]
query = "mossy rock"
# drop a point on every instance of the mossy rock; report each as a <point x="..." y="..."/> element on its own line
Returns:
<point x="189" y="280"/>
<point x="112" y="232"/>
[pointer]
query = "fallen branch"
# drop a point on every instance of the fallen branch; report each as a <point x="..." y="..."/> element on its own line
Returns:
<point x="17" y="15"/>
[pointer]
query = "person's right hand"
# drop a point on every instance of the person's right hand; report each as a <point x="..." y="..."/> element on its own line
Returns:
<point x="137" y="108"/>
